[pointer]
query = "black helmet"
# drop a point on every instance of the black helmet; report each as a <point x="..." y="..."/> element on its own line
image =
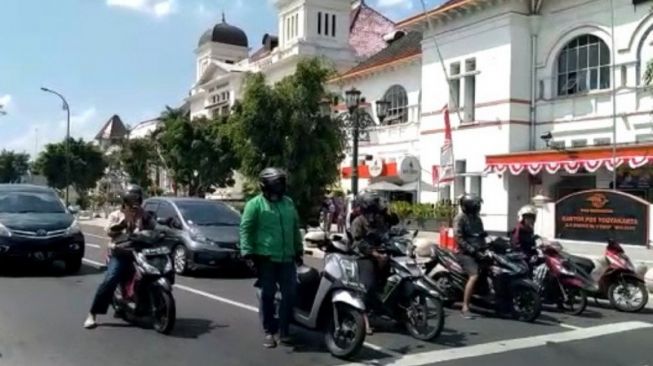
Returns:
<point x="370" y="203"/>
<point x="272" y="182"/>
<point x="133" y="195"/>
<point x="470" y="204"/>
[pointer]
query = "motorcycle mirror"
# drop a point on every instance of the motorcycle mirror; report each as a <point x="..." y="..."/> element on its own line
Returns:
<point x="415" y="234"/>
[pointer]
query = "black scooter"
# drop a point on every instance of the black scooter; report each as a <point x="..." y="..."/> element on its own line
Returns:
<point x="149" y="293"/>
<point x="409" y="296"/>
<point x="504" y="281"/>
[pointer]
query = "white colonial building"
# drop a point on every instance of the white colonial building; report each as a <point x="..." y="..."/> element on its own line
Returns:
<point x="343" y="32"/>
<point x="538" y="92"/>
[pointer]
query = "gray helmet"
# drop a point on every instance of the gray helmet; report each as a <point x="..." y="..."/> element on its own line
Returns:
<point x="272" y="181"/>
<point x="132" y="195"/>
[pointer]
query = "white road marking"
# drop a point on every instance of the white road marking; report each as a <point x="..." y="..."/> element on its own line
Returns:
<point x="255" y="309"/>
<point x="93" y="263"/>
<point x="97" y="236"/>
<point x="568" y="326"/>
<point x="428" y="358"/>
<point x="96" y="246"/>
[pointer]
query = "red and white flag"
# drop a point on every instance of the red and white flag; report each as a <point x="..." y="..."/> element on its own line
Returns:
<point x="446" y="175"/>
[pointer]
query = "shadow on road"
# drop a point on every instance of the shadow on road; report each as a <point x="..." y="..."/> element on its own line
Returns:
<point x="306" y="341"/>
<point x="194" y="328"/>
<point x="55" y="270"/>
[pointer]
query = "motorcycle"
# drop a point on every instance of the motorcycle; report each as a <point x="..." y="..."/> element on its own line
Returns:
<point x="503" y="280"/>
<point x="619" y="283"/>
<point x="409" y="296"/>
<point x="148" y="294"/>
<point x="331" y="301"/>
<point x="561" y="281"/>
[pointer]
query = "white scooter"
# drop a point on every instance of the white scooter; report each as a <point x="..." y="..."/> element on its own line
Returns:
<point x="331" y="301"/>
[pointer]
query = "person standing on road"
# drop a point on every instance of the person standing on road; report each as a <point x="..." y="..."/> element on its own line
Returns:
<point x="129" y="219"/>
<point x="270" y="237"/>
<point x="470" y="235"/>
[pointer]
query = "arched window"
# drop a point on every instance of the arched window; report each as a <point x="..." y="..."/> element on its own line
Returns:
<point x="584" y="64"/>
<point x="398" y="107"/>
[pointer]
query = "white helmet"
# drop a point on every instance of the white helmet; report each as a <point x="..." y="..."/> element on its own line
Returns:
<point x="526" y="210"/>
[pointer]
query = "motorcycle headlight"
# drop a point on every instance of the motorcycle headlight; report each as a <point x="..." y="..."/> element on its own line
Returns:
<point x="4" y="232"/>
<point x="74" y="228"/>
<point x="349" y="268"/>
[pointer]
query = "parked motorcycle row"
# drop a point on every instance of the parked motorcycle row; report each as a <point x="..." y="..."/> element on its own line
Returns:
<point x="418" y="286"/>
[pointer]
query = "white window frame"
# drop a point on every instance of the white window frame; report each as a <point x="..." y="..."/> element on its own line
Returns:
<point x="576" y="78"/>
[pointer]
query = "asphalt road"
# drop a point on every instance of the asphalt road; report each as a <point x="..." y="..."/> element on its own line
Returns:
<point x="41" y="317"/>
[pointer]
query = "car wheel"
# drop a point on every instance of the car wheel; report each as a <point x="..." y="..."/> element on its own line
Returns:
<point x="73" y="265"/>
<point x="180" y="259"/>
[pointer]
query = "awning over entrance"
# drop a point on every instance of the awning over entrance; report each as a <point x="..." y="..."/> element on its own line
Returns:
<point x="570" y="160"/>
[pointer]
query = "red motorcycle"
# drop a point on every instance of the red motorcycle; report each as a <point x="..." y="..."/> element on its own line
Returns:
<point x="619" y="282"/>
<point x="562" y="282"/>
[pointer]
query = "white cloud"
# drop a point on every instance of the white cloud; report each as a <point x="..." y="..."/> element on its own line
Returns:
<point x="82" y="125"/>
<point x="406" y="4"/>
<point x="158" y="8"/>
<point x="5" y="101"/>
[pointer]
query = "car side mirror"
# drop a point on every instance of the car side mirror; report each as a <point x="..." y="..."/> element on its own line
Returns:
<point x="73" y="210"/>
<point x="162" y="221"/>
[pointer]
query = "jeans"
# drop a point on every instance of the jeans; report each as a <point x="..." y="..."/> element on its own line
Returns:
<point x="271" y="274"/>
<point x="118" y="271"/>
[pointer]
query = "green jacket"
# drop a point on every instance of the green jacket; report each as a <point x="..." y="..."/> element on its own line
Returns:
<point x="271" y="229"/>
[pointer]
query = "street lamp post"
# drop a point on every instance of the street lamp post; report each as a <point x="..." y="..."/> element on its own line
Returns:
<point x="66" y="107"/>
<point x="358" y="120"/>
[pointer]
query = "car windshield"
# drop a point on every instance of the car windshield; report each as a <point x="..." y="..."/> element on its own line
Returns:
<point x="207" y="213"/>
<point x="30" y="202"/>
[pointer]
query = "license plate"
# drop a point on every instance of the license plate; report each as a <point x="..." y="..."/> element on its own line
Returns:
<point x="156" y="251"/>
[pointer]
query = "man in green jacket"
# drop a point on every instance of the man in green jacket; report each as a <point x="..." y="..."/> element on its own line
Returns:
<point x="269" y="235"/>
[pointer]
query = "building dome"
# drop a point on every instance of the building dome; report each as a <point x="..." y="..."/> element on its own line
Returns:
<point x="224" y="33"/>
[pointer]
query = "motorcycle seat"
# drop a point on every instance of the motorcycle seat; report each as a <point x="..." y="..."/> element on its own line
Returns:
<point x="584" y="263"/>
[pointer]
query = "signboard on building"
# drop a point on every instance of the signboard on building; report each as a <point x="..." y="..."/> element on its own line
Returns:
<point x="598" y="214"/>
<point x="376" y="168"/>
<point x="409" y="169"/>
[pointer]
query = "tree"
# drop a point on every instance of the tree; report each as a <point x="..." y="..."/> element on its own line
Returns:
<point x="281" y="126"/>
<point x="137" y="158"/>
<point x="87" y="165"/>
<point x="13" y="166"/>
<point x="198" y="154"/>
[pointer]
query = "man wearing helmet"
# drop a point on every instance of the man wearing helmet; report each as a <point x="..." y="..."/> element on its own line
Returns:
<point x="129" y="219"/>
<point x="270" y="236"/>
<point x="470" y="236"/>
<point x="523" y="236"/>
<point x="367" y="230"/>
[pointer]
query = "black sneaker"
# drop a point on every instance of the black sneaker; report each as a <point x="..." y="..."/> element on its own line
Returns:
<point x="286" y="340"/>
<point x="269" y="341"/>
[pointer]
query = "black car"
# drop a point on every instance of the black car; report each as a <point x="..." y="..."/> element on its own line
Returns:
<point x="205" y="232"/>
<point x="36" y="226"/>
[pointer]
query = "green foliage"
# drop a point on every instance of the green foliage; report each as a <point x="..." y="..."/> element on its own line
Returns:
<point x="422" y="211"/>
<point x="13" y="166"/>
<point x="281" y="126"/>
<point x="199" y="154"/>
<point x="87" y="165"/>
<point x="648" y="73"/>
<point x="137" y="158"/>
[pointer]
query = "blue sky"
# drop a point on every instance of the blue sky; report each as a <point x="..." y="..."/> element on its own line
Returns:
<point x="125" y="57"/>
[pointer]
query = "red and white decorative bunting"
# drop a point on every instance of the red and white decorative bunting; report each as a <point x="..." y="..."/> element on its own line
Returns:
<point x="570" y="166"/>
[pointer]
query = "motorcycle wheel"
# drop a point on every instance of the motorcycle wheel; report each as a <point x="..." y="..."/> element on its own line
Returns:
<point x="164" y="312"/>
<point x="526" y="302"/>
<point x="349" y="340"/>
<point x="444" y="284"/>
<point x="621" y="295"/>
<point x="419" y="314"/>
<point x="577" y="301"/>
